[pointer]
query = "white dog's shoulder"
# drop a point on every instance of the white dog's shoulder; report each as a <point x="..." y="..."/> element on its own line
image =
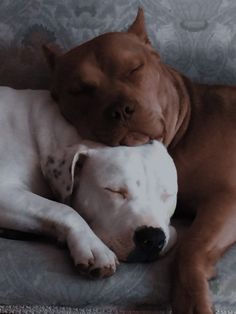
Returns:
<point x="33" y="127"/>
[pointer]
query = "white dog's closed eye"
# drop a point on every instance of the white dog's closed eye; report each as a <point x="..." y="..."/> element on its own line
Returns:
<point x="122" y="192"/>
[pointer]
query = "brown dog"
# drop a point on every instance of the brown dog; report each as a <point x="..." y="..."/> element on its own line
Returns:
<point x="115" y="89"/>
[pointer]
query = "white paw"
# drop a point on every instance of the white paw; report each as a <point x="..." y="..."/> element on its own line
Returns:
<point x="91" y="255"/>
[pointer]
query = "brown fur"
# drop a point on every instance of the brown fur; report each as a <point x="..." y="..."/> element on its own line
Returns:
<point x="115" y="89"/>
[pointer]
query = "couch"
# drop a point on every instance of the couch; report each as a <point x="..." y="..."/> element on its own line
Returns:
<point x="197" y="37"/>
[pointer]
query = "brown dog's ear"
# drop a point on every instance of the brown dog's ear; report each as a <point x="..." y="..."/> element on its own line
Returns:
<point x="51" y="52"/>
<point x="138" y="27"/>
<point x="61" y="169"/>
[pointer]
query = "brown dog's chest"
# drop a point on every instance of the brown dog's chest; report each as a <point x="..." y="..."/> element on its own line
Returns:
<point x="206" y="156"/>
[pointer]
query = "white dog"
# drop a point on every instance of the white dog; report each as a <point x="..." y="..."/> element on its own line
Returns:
<point x="127" y="195"/>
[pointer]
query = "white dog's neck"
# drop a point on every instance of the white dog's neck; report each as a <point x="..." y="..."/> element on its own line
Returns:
<point x="62" y="133"/>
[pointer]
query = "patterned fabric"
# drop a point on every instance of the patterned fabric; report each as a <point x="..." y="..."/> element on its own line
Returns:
<point x="197" y="37"/>
<point x="47" y="309"/>
<point x="44" y="309"/>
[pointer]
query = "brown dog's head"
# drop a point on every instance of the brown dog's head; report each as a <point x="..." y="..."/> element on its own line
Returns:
<point x="112" y="89"/>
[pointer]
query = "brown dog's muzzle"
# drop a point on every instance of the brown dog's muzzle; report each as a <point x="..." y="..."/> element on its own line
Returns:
<point x="122" y="118"/>
<point x="121" y="112"/>
<point x="135" y="139"/>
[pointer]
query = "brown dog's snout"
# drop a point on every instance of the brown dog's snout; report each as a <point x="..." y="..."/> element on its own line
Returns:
<point x="122" y="111"/>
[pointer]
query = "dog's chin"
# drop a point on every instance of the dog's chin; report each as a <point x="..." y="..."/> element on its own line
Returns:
<point x="134" y="139"/>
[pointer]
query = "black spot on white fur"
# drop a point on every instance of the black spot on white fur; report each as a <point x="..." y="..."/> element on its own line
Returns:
<point x="61" y="163"/>
<point x="50" y="160"/>
<point x="56" y="173"/>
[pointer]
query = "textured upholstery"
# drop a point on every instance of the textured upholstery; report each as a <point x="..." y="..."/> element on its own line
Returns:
<point x="37" y="273"/>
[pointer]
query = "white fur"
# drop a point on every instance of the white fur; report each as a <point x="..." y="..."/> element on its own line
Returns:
<point x="146" y="173"/>
<point x="35" y="140"/>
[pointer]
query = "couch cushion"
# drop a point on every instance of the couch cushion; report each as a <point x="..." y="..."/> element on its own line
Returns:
<point x="42" y="273"/>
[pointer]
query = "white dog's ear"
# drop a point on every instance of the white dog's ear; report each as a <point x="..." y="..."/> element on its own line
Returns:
<point x="60" y="169"/>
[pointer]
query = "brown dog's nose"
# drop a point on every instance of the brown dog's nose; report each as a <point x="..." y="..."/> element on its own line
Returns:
<point x="122" y="111"/>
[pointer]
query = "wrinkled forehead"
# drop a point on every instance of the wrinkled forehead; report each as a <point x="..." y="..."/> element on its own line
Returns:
<point x="108" y="51"/>
<point x="117" y="47"/>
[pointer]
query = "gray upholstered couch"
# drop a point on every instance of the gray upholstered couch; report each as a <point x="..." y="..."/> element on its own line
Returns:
<point x="197" y="37"/>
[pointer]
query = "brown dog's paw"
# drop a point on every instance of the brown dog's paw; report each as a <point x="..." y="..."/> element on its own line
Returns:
<point x="190" y="291"/>
<point x="184" y="302"/>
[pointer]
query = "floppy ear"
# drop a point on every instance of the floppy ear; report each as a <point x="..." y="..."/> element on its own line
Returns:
<point x="61" y="168"/>
<point x="51" y="52"/>
<point x="138" y="27"/>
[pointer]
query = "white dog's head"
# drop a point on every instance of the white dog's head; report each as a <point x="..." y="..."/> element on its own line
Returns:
<point x="127" y="195"/>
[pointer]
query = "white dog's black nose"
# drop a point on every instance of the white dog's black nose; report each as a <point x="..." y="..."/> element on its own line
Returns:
<point x="149" y="239"/>
<point x="149" y="242"/>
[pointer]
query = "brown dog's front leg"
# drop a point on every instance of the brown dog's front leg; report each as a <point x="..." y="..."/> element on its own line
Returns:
<point x="211" y="233"/>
